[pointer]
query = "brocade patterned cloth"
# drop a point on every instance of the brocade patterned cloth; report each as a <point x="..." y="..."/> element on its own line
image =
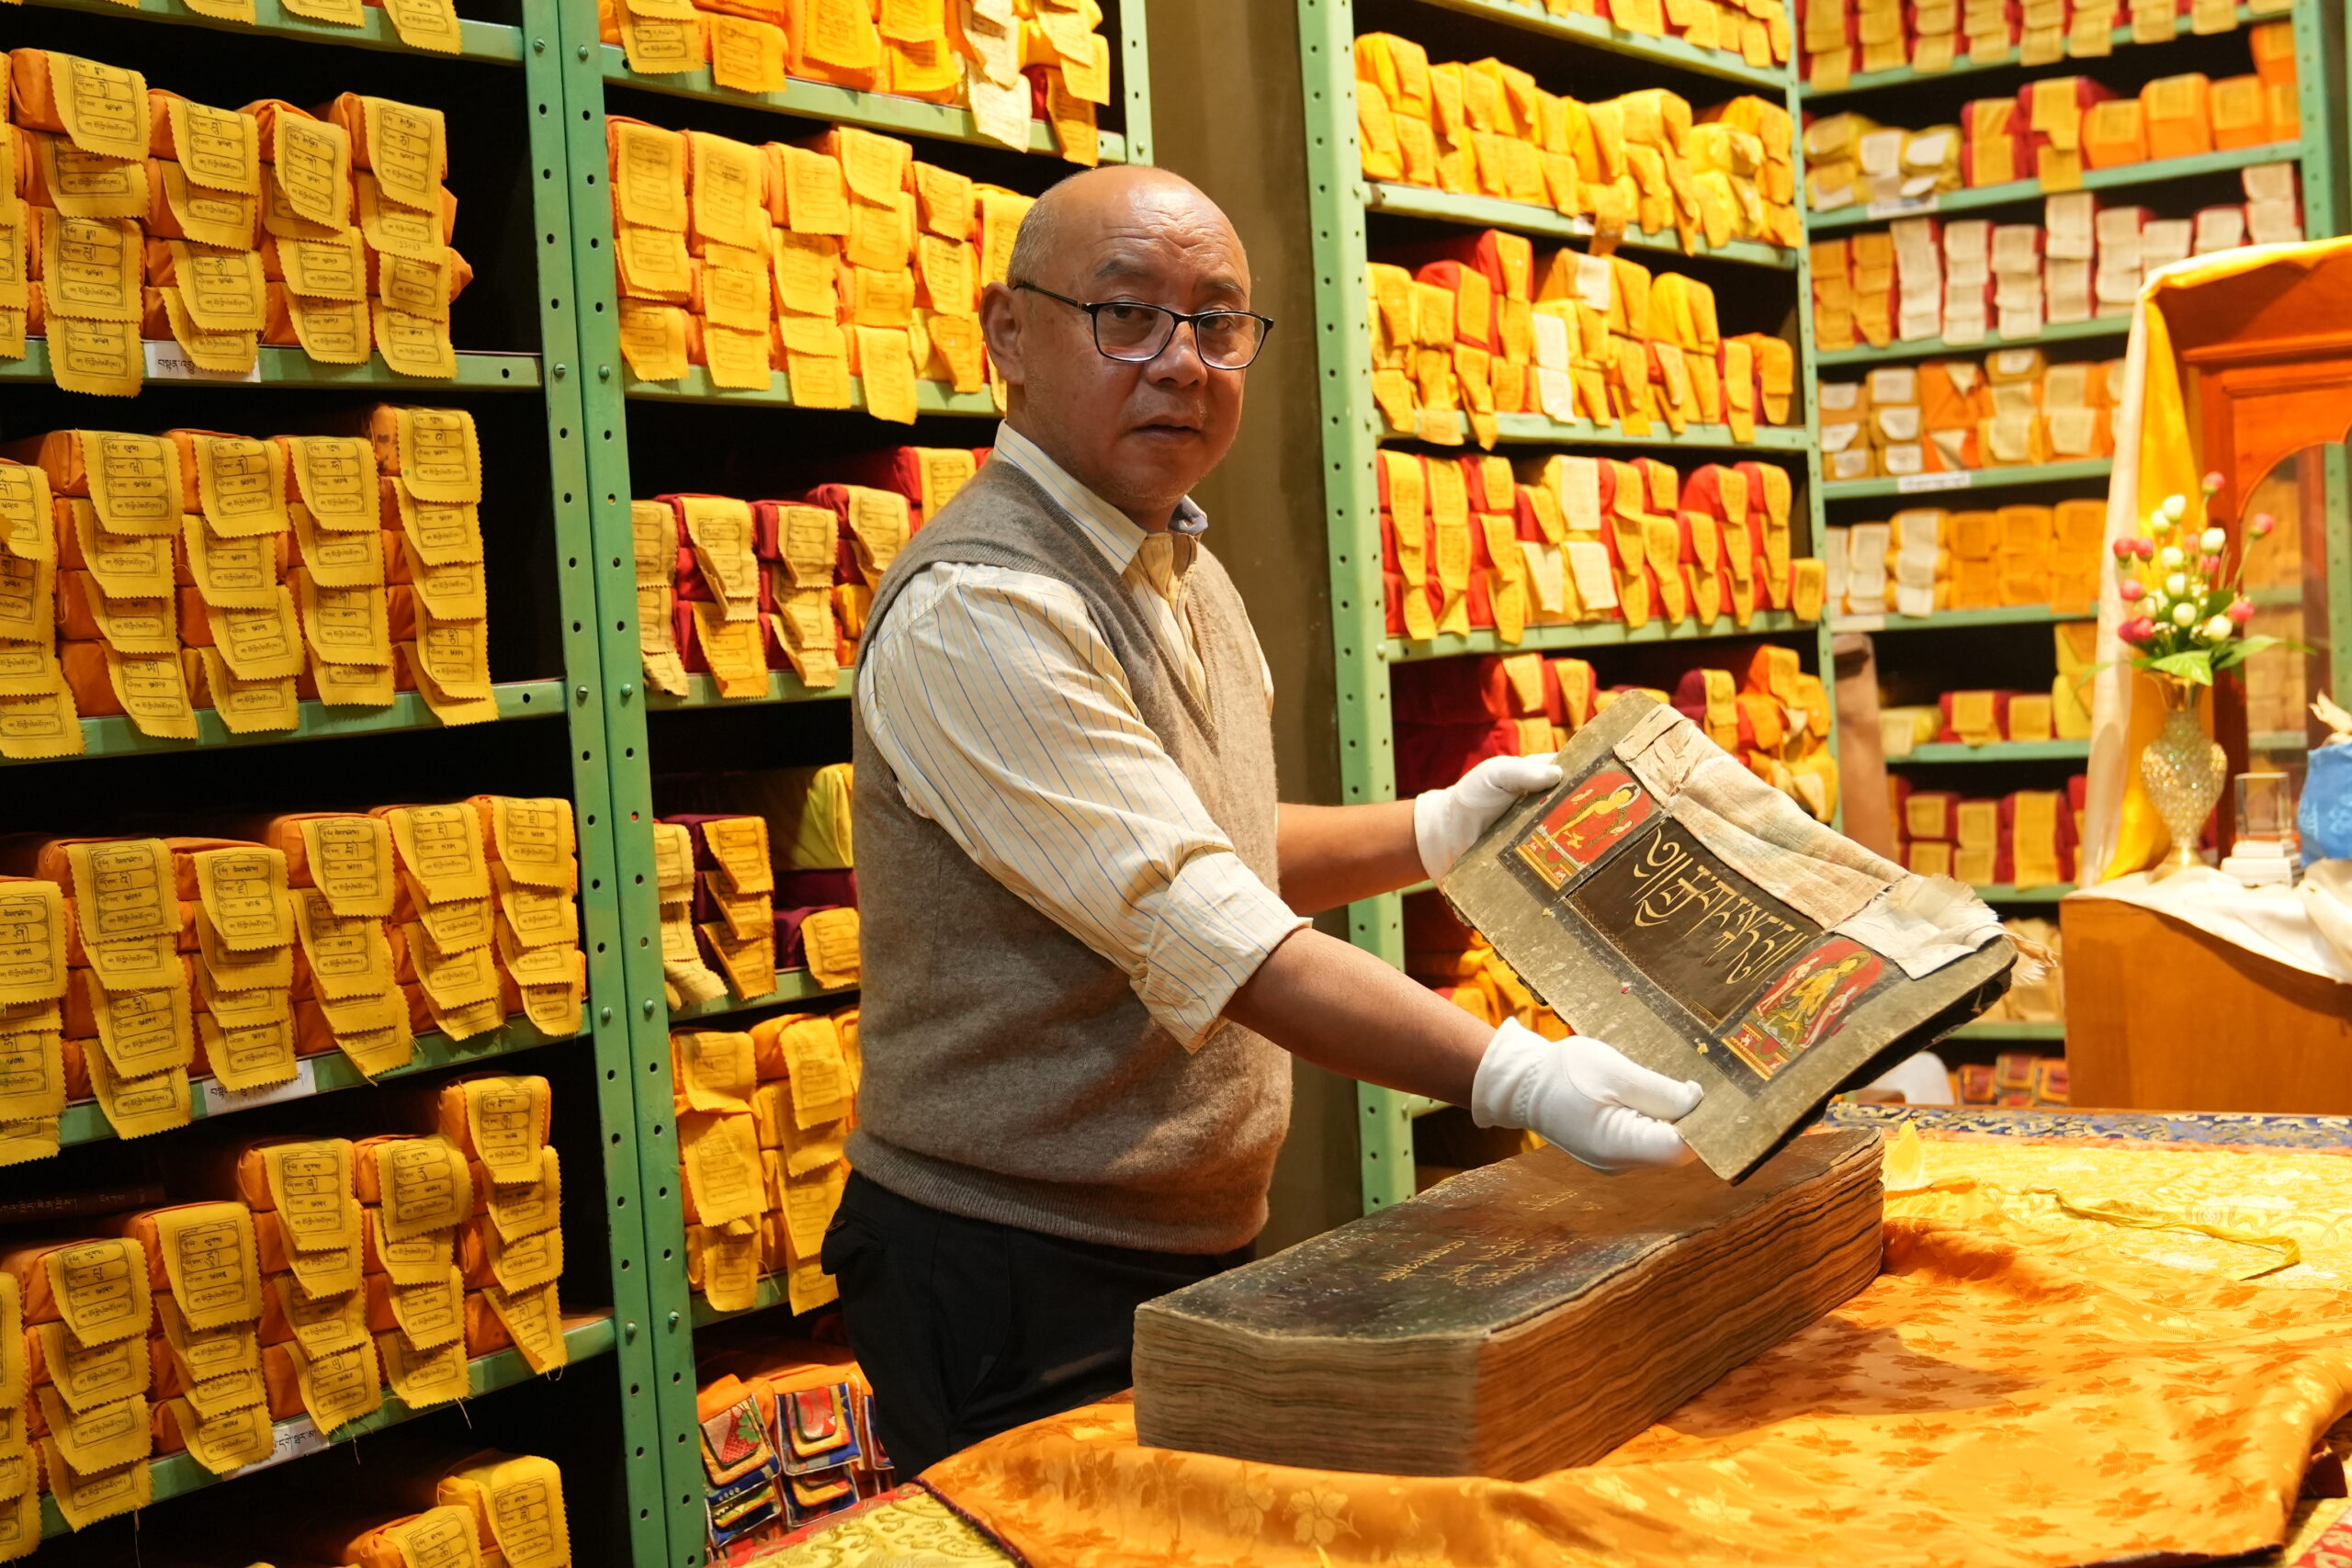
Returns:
<point x="2085" y="1349"/>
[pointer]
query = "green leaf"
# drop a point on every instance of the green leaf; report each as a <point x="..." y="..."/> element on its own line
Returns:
<point x="2197" y="666"/>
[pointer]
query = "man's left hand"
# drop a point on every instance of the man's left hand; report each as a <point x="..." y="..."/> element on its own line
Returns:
<point x="1446" y="822"/>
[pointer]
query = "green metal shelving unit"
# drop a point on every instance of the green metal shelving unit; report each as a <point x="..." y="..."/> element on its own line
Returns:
<point x="2126" y="177"/>
<point x="510" y="89"/>
<point x="1338" y="200"/>
<point x="591" y="70"/>
<point x="2318" y="155"/>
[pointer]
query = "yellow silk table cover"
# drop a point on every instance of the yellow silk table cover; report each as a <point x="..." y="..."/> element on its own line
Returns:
<point x="2032" y="1381"/>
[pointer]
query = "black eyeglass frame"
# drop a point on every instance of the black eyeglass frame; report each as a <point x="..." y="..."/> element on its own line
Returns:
<point x="1175" y="319"/>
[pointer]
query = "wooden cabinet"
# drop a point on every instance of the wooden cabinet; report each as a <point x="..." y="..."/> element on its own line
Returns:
<point x="2161" y="1016"/>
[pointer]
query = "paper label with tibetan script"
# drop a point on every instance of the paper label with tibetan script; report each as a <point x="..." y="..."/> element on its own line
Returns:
<point x="100" y="1289"/>
<point x="425" y="1186"/>
<point x="350" y="862"/>
<point x="243" y="894"/>
<point x="211" y="1260"/>
<point x="440" y="460"/>
<point x="32" y="942"/>
<point x="441" y="846"/>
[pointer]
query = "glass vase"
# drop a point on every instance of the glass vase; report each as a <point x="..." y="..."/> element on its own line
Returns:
<point x="2183" y="769"/>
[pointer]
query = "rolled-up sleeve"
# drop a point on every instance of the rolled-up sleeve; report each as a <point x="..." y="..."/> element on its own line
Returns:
<point x="1009" y="722"/>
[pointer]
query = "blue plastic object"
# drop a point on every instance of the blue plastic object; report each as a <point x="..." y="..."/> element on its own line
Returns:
<point x="2325" y="817"/>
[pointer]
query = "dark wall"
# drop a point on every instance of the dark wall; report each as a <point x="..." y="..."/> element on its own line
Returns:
<point x="1226" y="114"/>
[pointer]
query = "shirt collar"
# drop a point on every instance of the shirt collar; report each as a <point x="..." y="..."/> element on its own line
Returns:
<point x="1112" y="531"/>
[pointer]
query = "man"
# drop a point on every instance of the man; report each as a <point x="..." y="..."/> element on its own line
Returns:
<point x="1080" y="975"/>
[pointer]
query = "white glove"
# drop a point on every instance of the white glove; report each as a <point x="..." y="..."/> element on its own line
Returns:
<point x="1448" y="821"/>
<point x="1581" y="1094"/>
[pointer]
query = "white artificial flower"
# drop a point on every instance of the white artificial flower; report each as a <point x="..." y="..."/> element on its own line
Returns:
<point x="2211" y="541"/>
<point x="2218" y="629"/>
<point x="2177" y="584"/>
<point x="2171" y="558"/>
<point x="2184" y="614"/>
<point x="2175" y="507"/>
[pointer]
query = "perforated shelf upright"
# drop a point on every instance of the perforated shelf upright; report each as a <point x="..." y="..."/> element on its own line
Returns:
<point x="648" y="438"/>
<point x="1587" y="58"/>
<point x="515" y="332"/>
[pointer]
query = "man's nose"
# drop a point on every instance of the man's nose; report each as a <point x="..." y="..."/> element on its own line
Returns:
<point x="1180" y="363"/>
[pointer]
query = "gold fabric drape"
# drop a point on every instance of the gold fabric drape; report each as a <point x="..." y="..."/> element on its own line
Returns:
<point x="2025" y="1384"/>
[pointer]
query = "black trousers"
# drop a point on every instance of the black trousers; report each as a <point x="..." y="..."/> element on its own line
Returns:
<point x="967" y="1329"/>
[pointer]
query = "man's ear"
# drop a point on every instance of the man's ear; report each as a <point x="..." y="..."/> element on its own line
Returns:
<point x="1000" y="326"/>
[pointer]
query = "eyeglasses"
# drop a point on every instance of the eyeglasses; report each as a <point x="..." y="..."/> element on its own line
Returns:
<point x="1133" y="332"/>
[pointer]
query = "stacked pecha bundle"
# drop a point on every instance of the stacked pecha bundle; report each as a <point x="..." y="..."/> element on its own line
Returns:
<point x="487" y="911"/>
<point x="1926" y="559"/>
<point x="834" y="257"/>
<point x="1841" y="37"/>
<point x="1947" y="416"/>
<point x="725" y="901"/>
<point x="1004" y="59"/>
<point x="737" y="589"/>
<point x="1981" y="717"/>
<point x="237" y="958"/>
<point x="1465" y="329"/>
<point x="761" y="1118"/>
<point x="34" y="981"/>
<point x="1559" y="540"/>
<point x="430" y="466"/>
<point x="1966" y="281"/>
<point x="488" y="1507"/>
<point x="148" y="576"/>
<point x="2054" y="129"/>
<point x="75" y="1321"/>
<point x="144" y="213"/>
<point x="464" y="1248"/>
<point x="787" y="1437"/>
<point x="1641" y="161"/>
<point x="298" y="1200"/>
<point x="2024" y="839"/>
<point x="1454" y="714"/>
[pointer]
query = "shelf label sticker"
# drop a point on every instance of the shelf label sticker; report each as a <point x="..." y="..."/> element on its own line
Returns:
<point x="167" y="361"/>
<point x="219" y="1102"/>
<point x="289" y="1439"/>
<point x="1902" y="207"/>
<point x="1921" y="484"/>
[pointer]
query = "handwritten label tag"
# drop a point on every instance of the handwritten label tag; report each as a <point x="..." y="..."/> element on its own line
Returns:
<point x="289" y="1439"/>
<point x="219" y="1102"/>
<point x="166" y="361"/>
<point x="1921" y="484"/>
<point x="1902" y="207"/>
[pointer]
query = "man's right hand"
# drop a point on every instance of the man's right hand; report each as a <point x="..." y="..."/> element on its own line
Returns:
<point x="1583" y="1095"/>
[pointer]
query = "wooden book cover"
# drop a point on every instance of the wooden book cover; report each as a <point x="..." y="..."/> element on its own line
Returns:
<point x="1665" y="900"/>
<point x="1517" y="1319"/>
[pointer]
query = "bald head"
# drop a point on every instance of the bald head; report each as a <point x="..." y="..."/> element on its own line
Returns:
<point x="1138" y="433"/>
<point x="1120" y="198"/>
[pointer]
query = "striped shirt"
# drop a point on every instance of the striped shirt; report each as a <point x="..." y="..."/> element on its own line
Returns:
<point x="1010" y="723"/>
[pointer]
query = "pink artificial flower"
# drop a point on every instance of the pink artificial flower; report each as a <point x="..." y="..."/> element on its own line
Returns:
<point x="2241" y="610"/>
<point x="2144" y="548"/>
<point x="2125" y="549"/>
<point x="2137" y="631"/>
<point x="2210" y="565"/>
<point x="2132" y="590"/>
<point x="2213" y="483"/>
<point x="2261" y="524"/>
